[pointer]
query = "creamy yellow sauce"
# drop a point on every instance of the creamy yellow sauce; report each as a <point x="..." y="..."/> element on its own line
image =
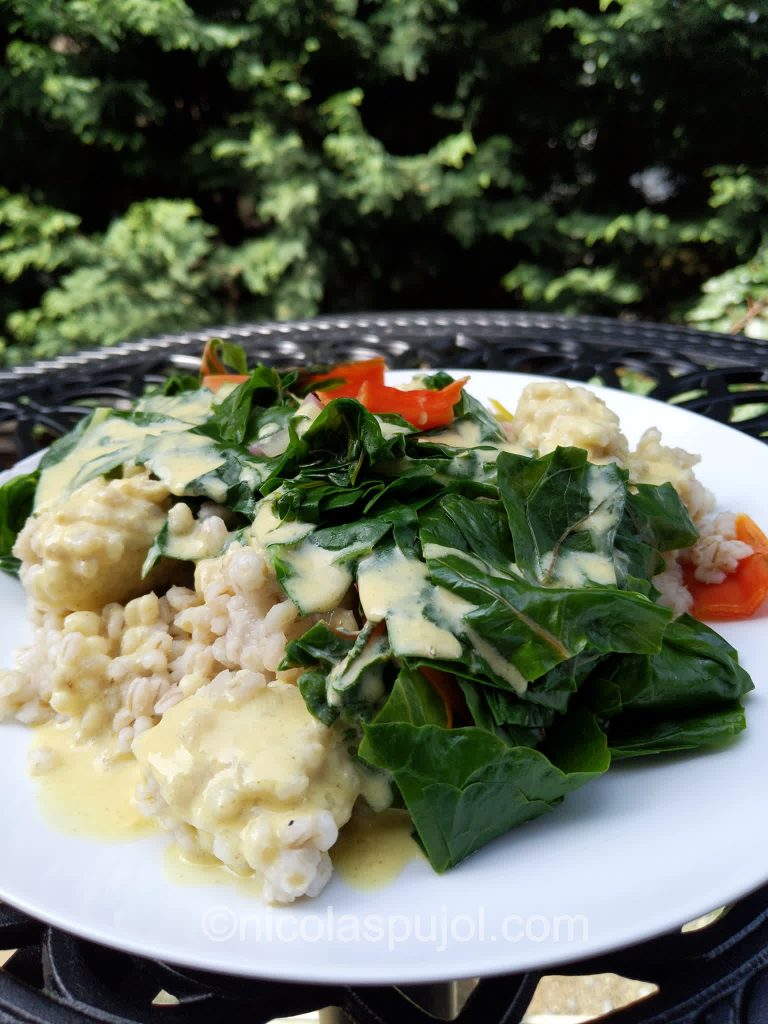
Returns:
<point x="373" y="849"/>
<point x="187" y="547"/>
<point x="496" y="662"/>
<point x="193" y="407"/>
<point x="104" y="439"/>
<point x="394" y="587"/>
<point x="253" y="750"/>
<point x="183" y="868"/>
<point x="576" y="568"/>
<point x="468" y="434"/>
<point x="89" y="789"/>
<point x="604" y="500"/>
<point x="165" y="447"/>
<point x="318" y="580"/>
<point x="178" y="459"/>
<point x="435" y="551"/>
<point x="243" y="773"/>
<point x="267" y="528"/>
<point x="390" y="430"/>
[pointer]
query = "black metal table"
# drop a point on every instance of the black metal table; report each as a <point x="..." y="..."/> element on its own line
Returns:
<point x="717" y="974"/>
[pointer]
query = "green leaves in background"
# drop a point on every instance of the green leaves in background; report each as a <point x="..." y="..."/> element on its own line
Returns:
<point x="171" y="164"/>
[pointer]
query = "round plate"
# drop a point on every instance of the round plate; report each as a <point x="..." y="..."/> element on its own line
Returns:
<point x="643" y="849"/>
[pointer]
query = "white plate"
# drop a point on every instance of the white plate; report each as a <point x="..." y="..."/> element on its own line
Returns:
<point x="641" y="850"/>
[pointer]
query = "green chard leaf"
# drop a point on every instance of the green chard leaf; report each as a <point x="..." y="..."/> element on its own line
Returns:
<point x="232" y="418"/>
<point x="456" y="470"/>
<point x="412" y="699"/>
<point x="477" y="527"/>
<point x="643" y="734"/>
<point x="344" y="431"/>
<point x="320" y="645"/>
<point x="655" y="520"/>
<point x="512" y="709"/>
<point x="503" y="714"/>
<point x="534" y="628"/>
<point x="17" y="498"/>
<point x="555" y="688"/>
<point x="563" y="513"/>
<point x="464" y="787"/>
<point x="318" y="650"/>
<point x="313" y="687"/>
<point x="176" y="384"/>
<point x="695" y="667"/>
<point x="230" y="354"/>
<point x="356" y="686"/>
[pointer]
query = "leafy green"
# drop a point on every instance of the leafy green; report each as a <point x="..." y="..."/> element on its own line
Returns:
<point x="458" y="523"/>
<point x="356" y="685"/>
<point x="541" y="569"/>
<point x="231" y="355"/>
<point x="535" y="628"/>
<point x="314" y="690"/>
<point x="694" y="667"/>
<point x="62" y="446"/>
<point x="464" y="787"/>
<point x="655" y="520"/>
<point x="562" y="505"/>
<point x="646" y="734"/>
<point x="175" y="384"/>
<point x="319" y="645"/>
<point x="232" y="419"/>
<point x="413" y="700"/>
<point x="17" y="497"/>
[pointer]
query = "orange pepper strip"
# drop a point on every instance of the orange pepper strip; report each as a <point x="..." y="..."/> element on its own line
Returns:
<point x="422" y="408"/>
<point x="213" y="381"/>
<point x="744" y="590"/>
<point x="210" y="364"/>
<point x="353" y="375"/>
<point x="364" y="380"/>
<point x="750" y="533"/>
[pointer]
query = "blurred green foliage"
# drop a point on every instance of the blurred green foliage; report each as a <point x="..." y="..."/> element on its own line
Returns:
<point x="168" y="164"/>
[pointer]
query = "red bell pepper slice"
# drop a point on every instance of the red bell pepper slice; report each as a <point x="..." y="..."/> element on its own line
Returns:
<point x="351" y="377"/>
<point x="422" y="408"/>
<point x="364" y="380"/>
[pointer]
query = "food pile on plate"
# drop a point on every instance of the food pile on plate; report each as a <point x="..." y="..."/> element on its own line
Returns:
<point x="285" y="593"/>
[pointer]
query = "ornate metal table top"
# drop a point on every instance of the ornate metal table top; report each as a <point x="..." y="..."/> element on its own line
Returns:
<point x="717" y="375"/>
